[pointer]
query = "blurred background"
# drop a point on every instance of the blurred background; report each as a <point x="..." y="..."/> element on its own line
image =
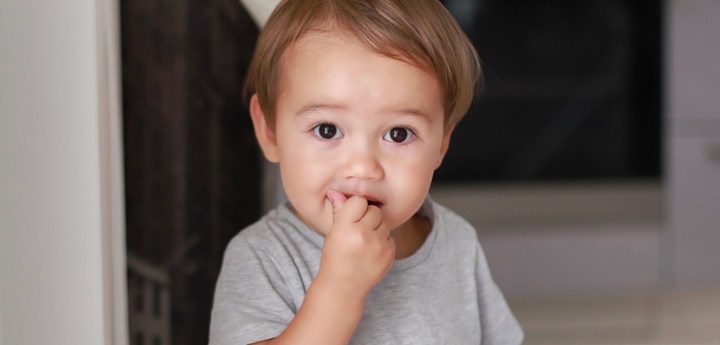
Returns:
<point x="590" y="167"/>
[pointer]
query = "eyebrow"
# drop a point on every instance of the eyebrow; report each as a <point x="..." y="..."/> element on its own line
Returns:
<point x="416" y="113"/>
<point x="318" y="106"/>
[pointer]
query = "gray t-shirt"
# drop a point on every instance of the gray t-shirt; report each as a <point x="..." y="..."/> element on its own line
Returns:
<point x="442" y="294"/>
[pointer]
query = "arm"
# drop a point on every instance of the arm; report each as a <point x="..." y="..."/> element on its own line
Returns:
<point x="325" y="317"/>
<point x="356" y="255"/>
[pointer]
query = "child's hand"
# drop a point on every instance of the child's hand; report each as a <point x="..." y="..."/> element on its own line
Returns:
<point x="356" y="254"/>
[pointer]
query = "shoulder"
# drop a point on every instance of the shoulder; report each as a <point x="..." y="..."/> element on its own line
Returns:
<point x="455" y="226"/>
<point x="456" y="238"/>
<point x="262" y="239"/>
<point x="279" y="238"/>
<point x="253" y="298"/>
<point x="254" y="236"/>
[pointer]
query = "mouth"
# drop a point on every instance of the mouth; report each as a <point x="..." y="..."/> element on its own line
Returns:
<point x="371" y="201"/>
<point x="375" y="203"/>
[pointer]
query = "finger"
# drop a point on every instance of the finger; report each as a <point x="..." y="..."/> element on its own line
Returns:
<point x="337" y="200"/>
<point x="354" y="209"/>
<point x="383" y="231"/>
<point x="372" y="217"/>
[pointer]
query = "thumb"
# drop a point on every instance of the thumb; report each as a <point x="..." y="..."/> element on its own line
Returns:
<point x="337" y="199"/>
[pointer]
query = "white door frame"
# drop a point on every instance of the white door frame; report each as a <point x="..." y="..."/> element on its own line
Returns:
<point x="111" y="172"/>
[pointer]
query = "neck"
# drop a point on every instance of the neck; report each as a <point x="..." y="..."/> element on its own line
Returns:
<point x="410" y="236"/>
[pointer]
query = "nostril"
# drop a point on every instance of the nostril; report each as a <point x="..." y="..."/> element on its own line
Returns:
<point x="364" y="167"/>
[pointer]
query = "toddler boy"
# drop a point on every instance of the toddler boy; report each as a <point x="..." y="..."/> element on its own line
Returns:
<point x="357" y="99"/>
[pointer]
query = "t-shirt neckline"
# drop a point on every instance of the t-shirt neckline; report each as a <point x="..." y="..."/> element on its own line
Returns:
<point x="426" y="210"/>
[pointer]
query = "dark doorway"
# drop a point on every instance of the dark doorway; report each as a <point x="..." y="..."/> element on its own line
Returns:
<point x="192" y="168"/>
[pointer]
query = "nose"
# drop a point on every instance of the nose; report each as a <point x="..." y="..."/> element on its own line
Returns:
<point x="363" y="164"/>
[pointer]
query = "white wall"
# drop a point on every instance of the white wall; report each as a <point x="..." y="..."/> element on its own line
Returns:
<point x="1" y="308"/>
<point x="260" y="10"/>
<point x="51" y="282"/>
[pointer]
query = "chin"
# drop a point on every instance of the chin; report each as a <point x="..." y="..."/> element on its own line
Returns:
<point x="395" y="222"/>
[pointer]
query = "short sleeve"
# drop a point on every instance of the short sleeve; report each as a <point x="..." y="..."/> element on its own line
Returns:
<point x="252" y="302"/>
<point x="498" y="324"/>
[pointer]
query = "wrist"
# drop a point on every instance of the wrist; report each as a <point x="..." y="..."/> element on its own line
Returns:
<point x="327" y="316"/>
<point x="338" y="291"/>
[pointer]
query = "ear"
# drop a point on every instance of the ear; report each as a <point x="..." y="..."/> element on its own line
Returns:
<point x="444" y="146"/>
<point x="264" y="134"/>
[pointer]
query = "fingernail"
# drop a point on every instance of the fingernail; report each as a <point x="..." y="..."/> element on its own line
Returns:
<point x="329" y="197"/>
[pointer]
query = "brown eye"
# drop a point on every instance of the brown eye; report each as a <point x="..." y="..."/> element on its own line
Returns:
<point x="399" y="135"/>
<point x="327" y="131"/>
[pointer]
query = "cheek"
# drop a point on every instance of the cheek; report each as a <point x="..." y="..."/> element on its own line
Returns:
<point x="409" y="184"/>
<point x="302" y="169"/>
<point x="413" y="171"/>
<point x="416" y="168"/>
<point x="305" y="177"/>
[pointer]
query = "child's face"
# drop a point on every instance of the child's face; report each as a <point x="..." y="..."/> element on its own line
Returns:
<point x="355" y="121"/>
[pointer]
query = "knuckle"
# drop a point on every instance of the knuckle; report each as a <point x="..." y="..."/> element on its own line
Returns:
<point x="357" y="239"/>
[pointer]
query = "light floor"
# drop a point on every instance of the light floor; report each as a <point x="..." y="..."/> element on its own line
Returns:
<point x="673" y="318"/>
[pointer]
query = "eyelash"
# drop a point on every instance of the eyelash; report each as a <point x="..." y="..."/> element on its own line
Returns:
<point x="412" y="131"/>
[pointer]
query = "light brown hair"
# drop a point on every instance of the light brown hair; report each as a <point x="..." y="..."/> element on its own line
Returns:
<point x="421" y="32"/>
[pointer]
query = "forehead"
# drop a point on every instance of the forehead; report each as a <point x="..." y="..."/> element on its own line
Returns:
<point x="336" y="69"/>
